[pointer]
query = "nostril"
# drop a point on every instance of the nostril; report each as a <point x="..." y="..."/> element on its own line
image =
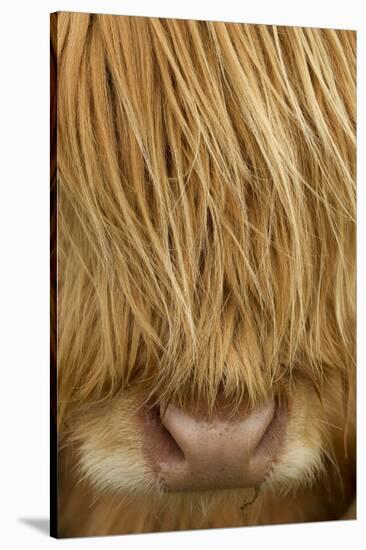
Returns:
<point x="178" y="425"/>
<point x="175" y="451"/>
<point x="162" y="444"/>
<point x="269" y="442"/>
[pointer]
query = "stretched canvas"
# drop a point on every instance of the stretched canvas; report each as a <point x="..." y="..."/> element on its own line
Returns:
<point x="203" y="274"/>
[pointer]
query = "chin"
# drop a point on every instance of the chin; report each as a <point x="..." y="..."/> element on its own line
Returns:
<point x="204" y="232"/>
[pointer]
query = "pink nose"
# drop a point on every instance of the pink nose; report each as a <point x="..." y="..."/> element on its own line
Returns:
<point x="222" y="452"/>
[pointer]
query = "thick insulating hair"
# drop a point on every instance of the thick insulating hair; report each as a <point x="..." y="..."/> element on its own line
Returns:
<point x="206" y="188"/>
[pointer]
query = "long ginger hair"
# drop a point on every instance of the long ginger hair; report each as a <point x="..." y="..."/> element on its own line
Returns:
<point x="206" y="210"/>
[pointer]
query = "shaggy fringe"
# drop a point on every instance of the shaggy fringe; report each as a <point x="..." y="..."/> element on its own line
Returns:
<point x="206" y="207"/>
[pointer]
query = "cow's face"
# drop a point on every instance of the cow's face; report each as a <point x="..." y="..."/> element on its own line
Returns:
<point x="206" y="265"/>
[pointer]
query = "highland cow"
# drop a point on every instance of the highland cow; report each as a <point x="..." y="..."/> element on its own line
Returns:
<point x="204" y="233"/>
